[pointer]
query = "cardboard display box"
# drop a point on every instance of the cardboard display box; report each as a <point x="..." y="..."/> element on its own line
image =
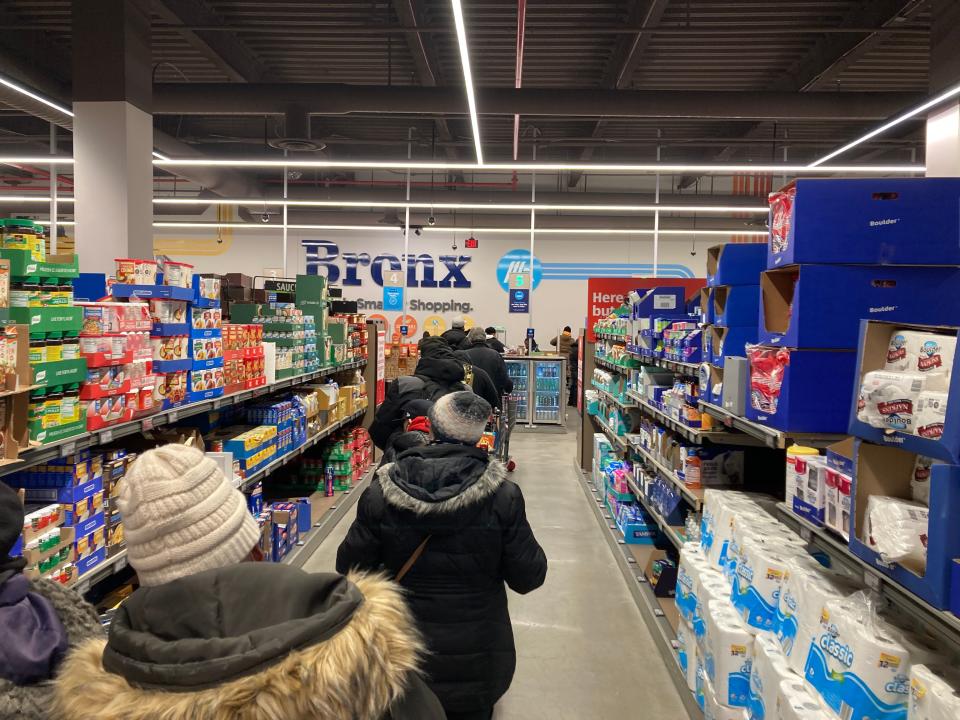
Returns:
<point x="800" y="390"/>
<point x="661" y="301"/>
<point x="820" y="306"/>
<point x="887" y="471"/>
<point x="735" y="263"/>
<point x="736" y="304"/>
<point x="729" y="341"/>
<point x="870" y="221"/>
<point x="872" y="355"/>
<point x="706" y="305"/>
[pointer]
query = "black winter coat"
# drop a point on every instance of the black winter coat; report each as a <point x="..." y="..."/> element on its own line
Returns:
<point x="481" y="355"/>
<point x="439" y="372"/>
<point x="454" y="337"/>
<point x="479" y="540"/>
<point x="497" y="345"/>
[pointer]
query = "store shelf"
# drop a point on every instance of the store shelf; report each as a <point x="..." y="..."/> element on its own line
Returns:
<point x="617" y="440"/>
<point x="684" y="368"/>
<point x="769" y="436"/>
<point x="110" y="566"/>
<point x="942" y="623"/>
<point x="694" y="435"/>
<point x="659" y="614"/>
<point x="615" y="400"/>
<point x="612" y="366"/>
<point x="611" y="337"/>
<point x="332" y="510"/>
<point x="279" y="462"/>
<point x="669" y="530"/>
<point x="62" y="448"/>
<point x="694" y="497"/>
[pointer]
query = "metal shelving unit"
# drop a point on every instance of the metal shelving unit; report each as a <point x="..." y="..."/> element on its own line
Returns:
<point x="694" y="497"/>
<point x="615" y="400"/>
<point x="669" y="530"/>
<point x="694" y="435"/>
<point x="768" y="436"/>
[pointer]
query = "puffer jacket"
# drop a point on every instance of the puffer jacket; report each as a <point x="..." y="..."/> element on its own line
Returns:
<point x="454" y="336"/>
<point x="77" y="617"/>
<point x="563" y="343"/>
<point x="480" y="542"/>
<point x="481" y="355"/>
<point x="254" y="641"/>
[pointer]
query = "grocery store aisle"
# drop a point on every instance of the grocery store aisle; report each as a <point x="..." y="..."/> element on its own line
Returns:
<point x="582" y="648"/>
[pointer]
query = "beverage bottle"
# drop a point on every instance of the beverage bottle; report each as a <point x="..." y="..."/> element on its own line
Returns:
<point x="328" y="484"/>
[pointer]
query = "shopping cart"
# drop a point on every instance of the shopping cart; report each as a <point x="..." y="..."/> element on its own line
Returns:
<point x="507" y="418"/>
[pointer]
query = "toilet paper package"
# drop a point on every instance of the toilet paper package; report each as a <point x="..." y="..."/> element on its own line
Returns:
<point x="794" y="702"/>
<point x="920" y="479"/>
<point x="858" y="668"/>
<point x="888" y="399"/>
<point x="713" y="708"/>
<point x="758" y="525"/>
<point x="930" y="415"/>
<point x="687" y="655"/>
<point x="933" y="694"/>
<point x="897" y="529"/>
<point x="761" y="568"/>
<point x="712" y="592"/>
<point x="926" y="353"/>
<point x="806" y="590"/>
<point x="768" y="669"/>
<point x="728" y="653"/>
<point x="716" y="526"/>
<point x="692" y="564"/>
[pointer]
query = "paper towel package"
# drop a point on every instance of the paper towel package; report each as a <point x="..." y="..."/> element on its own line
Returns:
<point x="865" y="221"/>
<point x="858" y="669"/>
<point x="925" y="350"/>
<point x="728" y="653"/>
<point x="888" y="471"/>
<point x="794" y="702"/>
<point x="768" y="670"/>
<point x="932" y="695"/>
<point x="898" y="529"/>
<point x="888" y="399"/>
<point x="920" y="480"/>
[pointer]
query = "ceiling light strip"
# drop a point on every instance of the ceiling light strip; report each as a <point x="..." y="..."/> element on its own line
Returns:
<point x="467" y="75"/>
<point x="16" y="87"/>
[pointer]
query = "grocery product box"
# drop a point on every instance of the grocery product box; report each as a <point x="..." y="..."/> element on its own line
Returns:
<point x="926" y="354"/>
<point x="887" y="471"/>
<point x="797" y="390"/>
<point x="724" y="341"/>
<point x="735" y="305"/>
<point x="820" y="306"/>
<point x="662" y="301"/>
<point x="735" y="263"/>
<point x="870" y="221"/>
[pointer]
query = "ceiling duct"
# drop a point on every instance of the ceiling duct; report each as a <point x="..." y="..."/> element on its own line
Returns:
<point x="296" y="129"/>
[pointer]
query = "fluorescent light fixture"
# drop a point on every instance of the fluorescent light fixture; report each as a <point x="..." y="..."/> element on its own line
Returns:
<point x="32" y="199"/>
<point x="36" y="160"/>
<point x="60" y="223"/>
<point x="34" y="96"/>
<point x="649" y="169"/>
<point x="903" y="117"/>
<point x="526" y="207"/>
<point x="216" y="225"/>
<point x="160" y="156"/>
<point x="467" y="75"/>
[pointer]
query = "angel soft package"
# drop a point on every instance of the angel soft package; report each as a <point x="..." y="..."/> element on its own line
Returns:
<point x="806" y="590"/>
<point x="932" y="695"/>
<point x="897" y="529"/>
<point x="856" y="665"/>
<point x="728" y="652"/>
<point x="768" y="669"/>
<point x="928" y="354"/>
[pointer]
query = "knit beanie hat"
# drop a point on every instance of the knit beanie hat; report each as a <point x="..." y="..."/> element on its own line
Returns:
<point x="182" y="516"/>
<point x="459" y="417"/>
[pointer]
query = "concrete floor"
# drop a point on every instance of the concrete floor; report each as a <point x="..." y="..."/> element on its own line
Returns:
<point x="583" y="651"/>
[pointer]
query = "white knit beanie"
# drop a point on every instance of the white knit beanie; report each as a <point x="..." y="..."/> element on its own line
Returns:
<point x="459" y="417"/>
<point x="181" y="516"/>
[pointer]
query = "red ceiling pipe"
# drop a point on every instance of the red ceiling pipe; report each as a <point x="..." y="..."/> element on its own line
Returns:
<point x="518" y="74"/>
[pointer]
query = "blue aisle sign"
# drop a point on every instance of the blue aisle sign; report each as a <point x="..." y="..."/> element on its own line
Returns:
<point x="392" y="298"/>
<point x="520" y="301"/>
<point x="530" y="333"/>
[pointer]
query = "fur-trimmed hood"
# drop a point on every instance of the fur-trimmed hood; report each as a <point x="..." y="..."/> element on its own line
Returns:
<point x="326" y="647"/>
<point x="440" y="479"/>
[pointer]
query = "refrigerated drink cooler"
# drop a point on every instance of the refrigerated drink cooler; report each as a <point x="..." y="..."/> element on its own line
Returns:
<point x="540" y="385"/>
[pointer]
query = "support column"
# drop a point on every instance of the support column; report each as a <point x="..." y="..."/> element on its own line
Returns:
<point x="943" y="123"/>
<point x="113" y="132"/>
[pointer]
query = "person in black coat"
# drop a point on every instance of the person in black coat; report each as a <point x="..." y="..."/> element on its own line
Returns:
<point x="439" y="371"/>
<point x="454" y="504"/>
<point x="476" y="351"/>
<point x="456" y="334"/>
<point x="493" y="341"/>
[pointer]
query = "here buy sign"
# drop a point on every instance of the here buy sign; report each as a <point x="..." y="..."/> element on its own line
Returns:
<point x="606" y="294"/>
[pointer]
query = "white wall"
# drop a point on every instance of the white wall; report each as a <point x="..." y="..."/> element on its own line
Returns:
<point x="555" y="302"/>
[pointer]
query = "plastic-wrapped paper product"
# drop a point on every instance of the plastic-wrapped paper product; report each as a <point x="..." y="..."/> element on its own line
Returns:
<point x="897" y="529"/>
<point x="687" y="655"/>
<point x="920" y="480"/>
<point x="761" y="568"/>
<point x="933" y="694"/>
<point x="930" y="415"/>
<point x="692" y="564"/>
<point x="888" y="399"/>
<point x="728" y="653"/>
<point x="794" y="702"/>
<point x="926" y="353"/>
<point x="712" y="592"/>
<point x="768" y="670"/>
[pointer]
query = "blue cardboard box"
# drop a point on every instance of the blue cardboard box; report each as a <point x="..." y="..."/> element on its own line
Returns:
<point x="706" y="305"/>
<point x="730" y="341"/>
<point x="736" y="304"/>
<point x="875" y="337"/>
<point x="887" y="471"/>
<point x="736" y="263"/>
<point x="89" y="525"/>
<point x="662" y="302"/>
<point x="88" y="563"/>
<point x="67" y="494"/>
<point x="820" y="306"/>
<point x="797" y="390"/>
<point x="869" y="221"/>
